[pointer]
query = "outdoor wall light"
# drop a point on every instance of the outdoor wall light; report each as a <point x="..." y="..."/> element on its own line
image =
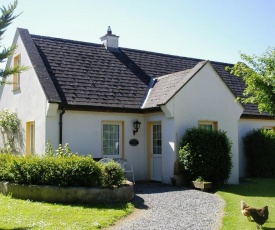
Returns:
<point x="136" y="126"/>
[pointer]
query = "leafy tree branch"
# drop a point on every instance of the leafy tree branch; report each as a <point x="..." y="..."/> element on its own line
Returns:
<point x="258" y="73"/>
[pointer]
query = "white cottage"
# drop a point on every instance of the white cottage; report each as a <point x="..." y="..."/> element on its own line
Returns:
<point x="78" y="92"/>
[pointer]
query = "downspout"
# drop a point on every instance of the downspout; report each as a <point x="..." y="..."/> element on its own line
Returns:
<point x="60" y="125"/>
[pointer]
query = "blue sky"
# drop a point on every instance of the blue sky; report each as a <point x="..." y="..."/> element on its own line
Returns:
<point x="214" y="30"/>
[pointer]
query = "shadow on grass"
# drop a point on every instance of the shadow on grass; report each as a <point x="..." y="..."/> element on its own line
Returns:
<point x="262" y="187"/>
<point x="99" y="205"/>
<point x="19" y="228"/>
<point x="113" y="205"/>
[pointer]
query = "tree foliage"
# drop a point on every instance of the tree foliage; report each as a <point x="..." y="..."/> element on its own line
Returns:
<point x="6" y="18"/>
<point x="259" y="76"/>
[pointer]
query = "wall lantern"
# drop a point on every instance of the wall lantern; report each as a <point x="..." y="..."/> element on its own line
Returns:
<point x="136" y="126"/>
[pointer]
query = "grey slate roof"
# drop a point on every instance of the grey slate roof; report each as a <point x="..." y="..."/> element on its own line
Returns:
<point x="81" y="75"/>
<point x="168" y="85"/>
<point x="89" y="75"/>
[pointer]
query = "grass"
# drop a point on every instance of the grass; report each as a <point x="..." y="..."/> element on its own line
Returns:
<point x="254" y="192"/>
<point x="21" y="214"/>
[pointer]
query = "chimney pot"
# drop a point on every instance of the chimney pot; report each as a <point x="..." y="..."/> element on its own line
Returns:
<point x="109" y="31"/>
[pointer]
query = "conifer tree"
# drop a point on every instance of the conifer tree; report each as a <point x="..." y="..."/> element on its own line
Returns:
<point x="6" y="18"/>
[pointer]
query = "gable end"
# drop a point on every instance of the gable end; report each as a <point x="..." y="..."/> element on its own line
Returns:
<point x="39" y="67"/>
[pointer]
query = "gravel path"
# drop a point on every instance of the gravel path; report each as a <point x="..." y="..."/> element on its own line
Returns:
<point x="165" y="207"/>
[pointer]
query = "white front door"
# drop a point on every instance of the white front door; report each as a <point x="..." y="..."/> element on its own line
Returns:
<point x="156" y="152"/>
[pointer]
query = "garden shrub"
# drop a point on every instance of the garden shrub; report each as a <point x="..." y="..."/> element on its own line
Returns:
<point x="259" y="148"/>
<point x="114" y="174"/>
<point x="72" y="171"/>
<point x="207" y="154"/>
<point x="59" y="171"/>
<point x="5" y="162"/>
<point x="26" y="170"/>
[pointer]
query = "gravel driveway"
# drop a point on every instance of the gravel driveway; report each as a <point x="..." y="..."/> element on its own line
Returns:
<point x="164" y="207"/>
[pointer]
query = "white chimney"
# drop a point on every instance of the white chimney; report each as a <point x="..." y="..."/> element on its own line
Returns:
<point x="110" y="40"/>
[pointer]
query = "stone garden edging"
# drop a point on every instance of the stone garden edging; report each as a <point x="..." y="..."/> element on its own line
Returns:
<point x="56" y="194"/>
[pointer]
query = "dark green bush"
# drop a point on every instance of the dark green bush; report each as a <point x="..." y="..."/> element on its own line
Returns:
<point x="207" y="154"/>
<point x="58" y="171"/>
<point x="259" y="148"/>
<point x="114" y="174"/>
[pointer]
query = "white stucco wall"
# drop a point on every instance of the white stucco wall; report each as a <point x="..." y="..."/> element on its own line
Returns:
<point x="168" y="149"/>
<point x="29" y="101"/>
<point x="82" y="131"/>
<point x="52" y="125"/>
<point x="206" y="97"/>
<point x="246" y="125"/>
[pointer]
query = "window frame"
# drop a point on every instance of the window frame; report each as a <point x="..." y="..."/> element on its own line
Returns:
<point x="120" y="139"/>
<point x="30" y="138"/>
<point x="157" y="139"/>
<point x="267" y="127"/>
<point x="213" y="124"/>
<point x="16" y="76"/>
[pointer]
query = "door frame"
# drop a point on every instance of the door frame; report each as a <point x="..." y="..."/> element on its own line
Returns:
<point x="30" y="138"/>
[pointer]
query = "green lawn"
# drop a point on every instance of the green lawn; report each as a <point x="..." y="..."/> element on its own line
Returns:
<point x="254" y="192"/>
<point x="20" y="214"/>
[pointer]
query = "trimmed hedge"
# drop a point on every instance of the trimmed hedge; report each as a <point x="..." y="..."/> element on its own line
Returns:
<point x="59" y="171"/>
<point x="259" y="148"/>
<point x="207" y="154"/>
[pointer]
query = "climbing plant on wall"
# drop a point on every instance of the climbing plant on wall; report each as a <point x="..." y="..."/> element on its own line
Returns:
<point x="10" y="125"/>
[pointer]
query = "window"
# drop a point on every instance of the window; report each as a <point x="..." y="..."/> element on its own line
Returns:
<point x="269" y="128"/>
<point x="112" y="139"/>
<point x="30" y="140"/>
<point x="16" y="76"/>
<point x="211" y="125"/>
<point x="157" y="139"/>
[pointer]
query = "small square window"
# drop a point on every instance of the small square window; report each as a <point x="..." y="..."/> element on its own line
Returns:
<point x="210" y="125"/>
<point x="269" y="128"/>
